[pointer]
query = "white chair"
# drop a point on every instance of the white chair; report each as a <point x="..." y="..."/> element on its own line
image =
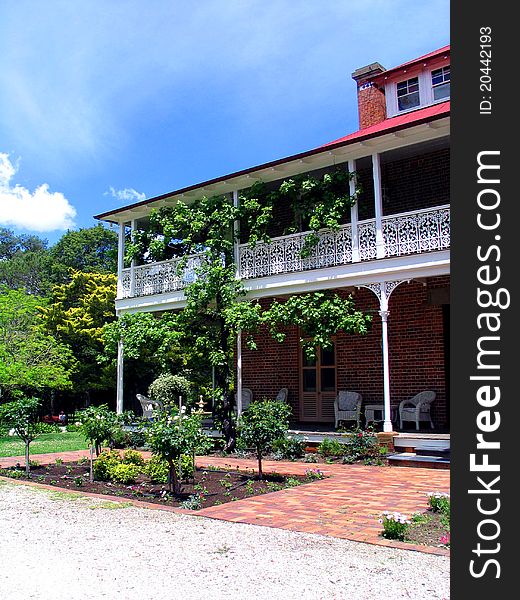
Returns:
<point x="417" y="409"/>
<point x="347" y="407"/>
<point x="149" y="406"/>
<point x="282" y="395"/>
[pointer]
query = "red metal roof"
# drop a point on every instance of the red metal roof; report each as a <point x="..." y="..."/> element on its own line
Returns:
<point x="415" y="61"/>
<point x="437" y="110"/>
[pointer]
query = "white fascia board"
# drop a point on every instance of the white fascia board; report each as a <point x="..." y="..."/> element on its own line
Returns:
<point x="389" y="269"/>
<point x="414" y="266"/>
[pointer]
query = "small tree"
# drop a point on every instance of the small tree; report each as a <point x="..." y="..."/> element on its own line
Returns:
<point x="173" y="435"/>
<point x="22" y="415"/>
<point x="262" y="424"/>
<point x="97" y="425"/>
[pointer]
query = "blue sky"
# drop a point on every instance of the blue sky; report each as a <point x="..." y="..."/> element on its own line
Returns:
<point x="105" y="102"/>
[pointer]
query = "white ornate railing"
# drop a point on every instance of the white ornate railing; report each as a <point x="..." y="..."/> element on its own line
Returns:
<point x="158" y="278"/>
<point x="405" y="233"/>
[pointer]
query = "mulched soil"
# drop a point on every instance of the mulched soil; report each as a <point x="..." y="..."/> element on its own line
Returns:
<point x="217" y="486"/>
<point x="428" y="532"/>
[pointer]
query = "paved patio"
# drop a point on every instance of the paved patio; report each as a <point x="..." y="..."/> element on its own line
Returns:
<point x="346" y="504"/>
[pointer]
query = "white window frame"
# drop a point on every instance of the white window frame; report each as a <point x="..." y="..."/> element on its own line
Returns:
<point x="442" y="83"/>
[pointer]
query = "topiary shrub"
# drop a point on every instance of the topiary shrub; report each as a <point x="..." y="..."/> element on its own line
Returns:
<point x="167" y="388"/>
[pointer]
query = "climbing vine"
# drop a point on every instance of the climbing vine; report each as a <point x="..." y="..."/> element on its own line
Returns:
<point x="216" y="307"/>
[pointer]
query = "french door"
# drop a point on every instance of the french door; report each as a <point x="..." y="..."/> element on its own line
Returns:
<point x="318" y="385"/>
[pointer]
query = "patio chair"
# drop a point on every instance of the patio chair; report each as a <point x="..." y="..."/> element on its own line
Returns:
<point x="282" y="395"/>
<point x="417" y="409"/>
<point x="247" y="398"/>
<point x="347" y="407"/>
<point x="149" y="406"/>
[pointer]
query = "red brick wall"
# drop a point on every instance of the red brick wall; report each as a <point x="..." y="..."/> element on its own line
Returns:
<point x="371" y="105"/>
<point x="416" y="343"/>
<point x="416" y="183"/>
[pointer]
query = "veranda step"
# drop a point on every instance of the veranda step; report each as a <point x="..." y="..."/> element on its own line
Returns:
<point x="411" y="459"/>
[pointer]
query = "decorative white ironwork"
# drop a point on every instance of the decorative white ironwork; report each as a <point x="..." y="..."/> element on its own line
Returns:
<point x="160" y="277"/>
<point x="418" y="231"/>
<point x="283" y="254"/>
<point x="406" y="233"/>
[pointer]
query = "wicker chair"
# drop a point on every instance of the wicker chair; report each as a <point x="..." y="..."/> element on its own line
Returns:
<point x="149" y="406"/>
<point x="247" y="398"/>
<point x="282" y="395"/>
<point x="347" y="407"/>
<point x="417" y="409"/>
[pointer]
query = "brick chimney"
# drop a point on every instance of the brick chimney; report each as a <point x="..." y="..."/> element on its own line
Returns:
<point x="371" y="98"/>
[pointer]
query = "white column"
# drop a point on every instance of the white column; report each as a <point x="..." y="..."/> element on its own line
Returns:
<point x="378" y="200"/>
<point x="132" y="264"/>
<point x="120" y="259"/>
<point x="236" y="240"/>
<point x="354" y="214"/>
<point x="387" y="416"/>
<point x="239" y="373"/>
<point x="120" y="364"/>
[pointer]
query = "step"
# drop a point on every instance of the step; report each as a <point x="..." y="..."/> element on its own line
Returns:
<point x="432" y="450"/>
<point x="410" y="459"/>
<point x="410" y="442"/>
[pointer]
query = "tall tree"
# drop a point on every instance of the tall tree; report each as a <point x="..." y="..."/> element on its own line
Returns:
<point x="30" y="359"/>
<point x="91" y="250"/>
<point x="75" y="315"/>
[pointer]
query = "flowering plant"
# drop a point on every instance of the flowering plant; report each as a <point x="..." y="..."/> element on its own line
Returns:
<point x="439" y="502"/>
<point x="394" y="525"/>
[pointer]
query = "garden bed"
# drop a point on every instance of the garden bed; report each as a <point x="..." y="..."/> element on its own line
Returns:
<point x="210" y="486"/>
<point x="428" y="530"/>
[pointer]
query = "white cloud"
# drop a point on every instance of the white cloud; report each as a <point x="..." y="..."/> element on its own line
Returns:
<point x="40" y="210"/>
<point x="126" y="195"/>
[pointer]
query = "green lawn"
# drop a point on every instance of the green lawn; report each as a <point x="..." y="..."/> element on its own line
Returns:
<point x="43" y="444"/>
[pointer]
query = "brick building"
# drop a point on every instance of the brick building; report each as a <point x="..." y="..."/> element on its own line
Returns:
<point x="391" y="253"/>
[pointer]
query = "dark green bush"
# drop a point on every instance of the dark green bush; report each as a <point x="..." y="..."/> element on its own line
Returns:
<point x="288" y="448"/>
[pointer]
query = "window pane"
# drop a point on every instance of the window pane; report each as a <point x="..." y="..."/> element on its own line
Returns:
<point x="328" y="380"/>
<point x="408" y="101"/>
<point x="309" y="380"/>
<point x="441" y="91"/>
<point x="327" y="356"/>
<point x="308" y="361"/>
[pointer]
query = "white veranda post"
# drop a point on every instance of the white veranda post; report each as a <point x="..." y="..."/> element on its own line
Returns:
<point x="120" y="366"/>
<point x="383" y="291"/>
<point x="239" y="373"/>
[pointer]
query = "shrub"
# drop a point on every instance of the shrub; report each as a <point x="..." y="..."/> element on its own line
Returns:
<point x="104" y="464"/>
<point x="363" y="444"/>
<point x="137" y="439"/>
<point x="167" y="388"/>
<point x="395" y="525"/>
<point x="288" y="448"/>
<point x="194" y="502"/>
<point x="119" y="438"/>
<point x="440" y="502"/>
<point x="331" y="448"/>
<point x="124" y="473"/>
<point x="263" y="423"/>
<point x="46" y="428"/>
<point x="73" y="427"/>
<point x="157" y="469"/>
<point x="133" y="457"/>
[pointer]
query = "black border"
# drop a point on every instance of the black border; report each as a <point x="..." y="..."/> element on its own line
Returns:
<point x="472" y="133"/>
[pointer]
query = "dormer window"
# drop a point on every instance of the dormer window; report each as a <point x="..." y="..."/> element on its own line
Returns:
<point x="441" y="83"/>
<point x="408" y="94"/>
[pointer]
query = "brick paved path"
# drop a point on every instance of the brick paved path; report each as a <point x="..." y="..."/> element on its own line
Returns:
<point x="346" y="504"/>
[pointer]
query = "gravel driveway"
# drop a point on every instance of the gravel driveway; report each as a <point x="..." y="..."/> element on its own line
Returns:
<point x="54" y="547"/>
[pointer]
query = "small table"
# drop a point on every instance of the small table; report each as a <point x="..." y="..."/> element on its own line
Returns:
<point x="372" y="409"/>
